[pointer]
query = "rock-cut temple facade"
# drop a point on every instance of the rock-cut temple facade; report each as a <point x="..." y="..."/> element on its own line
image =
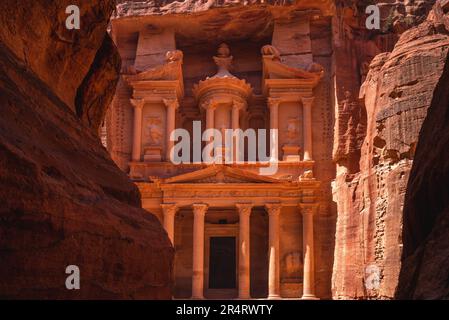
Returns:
<point x="237" y="233"/>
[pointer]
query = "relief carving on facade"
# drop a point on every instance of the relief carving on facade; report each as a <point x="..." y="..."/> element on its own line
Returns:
<point x="153" y="131"/>
<point x="292" y="267"/>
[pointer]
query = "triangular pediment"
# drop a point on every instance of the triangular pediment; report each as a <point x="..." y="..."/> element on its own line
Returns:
<point x="220" y="174"/>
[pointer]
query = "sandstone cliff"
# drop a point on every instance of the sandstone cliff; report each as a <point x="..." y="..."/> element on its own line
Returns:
<point x="425" y="270"/>
<point x="369" y="190"/>
<point x="63" y="201"/>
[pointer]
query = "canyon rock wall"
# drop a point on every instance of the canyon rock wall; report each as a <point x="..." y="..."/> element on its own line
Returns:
<point x="370" y="191"/>
<point x="63" y="200"/>
<point x="424" y="271"/>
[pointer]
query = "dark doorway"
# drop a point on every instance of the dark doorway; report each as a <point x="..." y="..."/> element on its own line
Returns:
<point x="222" y="273"/>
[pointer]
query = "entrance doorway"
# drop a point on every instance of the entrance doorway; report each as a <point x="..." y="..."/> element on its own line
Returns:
<point x="222" y="263"/>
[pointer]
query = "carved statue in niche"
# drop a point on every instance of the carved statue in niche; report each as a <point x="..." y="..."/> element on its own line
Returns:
<point x="153" y="131"/>
<point x="223" y="60"/>
<point x="269" y="50"/>
<point x="154" y="136"/>
<point x="306" y="175"/>
<point x="291" y="149"/>
<point x="223" y="51"/>
<point x="293" y="267"/>
<point x="292" y="130"/>
<point x="314" y="67"/>
<point x="173" y="56"/>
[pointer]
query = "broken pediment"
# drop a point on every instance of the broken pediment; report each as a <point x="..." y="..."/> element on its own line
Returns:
<point x="274" y="68"/>
<point x="220" y="174"/>
<point x="165" y="78"/>
<point x="170" y="70"/>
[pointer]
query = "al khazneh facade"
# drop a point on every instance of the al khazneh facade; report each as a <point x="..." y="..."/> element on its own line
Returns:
<point x="236" y="233"/>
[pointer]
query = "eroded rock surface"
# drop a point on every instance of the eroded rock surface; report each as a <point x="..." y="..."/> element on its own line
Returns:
<point x="63" y="200"/>
<point x="424" y="270"/>
<point x="396" y="94"/>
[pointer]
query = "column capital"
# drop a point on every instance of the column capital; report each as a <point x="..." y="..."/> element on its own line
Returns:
<point x="200" y="208"/>
<point x="209" y="104"/>
<point x="239" y="105"/>
<point x="244" y="208"/>
<point x="308" y="208"/>
<point x="273" y="102"/>
<point x="171" y="103"/>
<point x="307" y="101"/>
<point x="273" y="208"/>
<point x="137" y="103"/>
<point x="169" y="208"/>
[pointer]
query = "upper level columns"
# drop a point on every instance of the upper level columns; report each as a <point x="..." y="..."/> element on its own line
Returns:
<point x="210" y="115"/>
<point x="236" y="107"/>
<point x="273" y="104"/>
<point x="308" y="211"/>
<point x="199" y="211"/>
<point x="274" y="211"/>
<point x="169" y="211"/>
<point x="137" y="129"/>
<point x="307" y="126"/>
<point x="172" y="105"/>
<point x="244" y="249"/>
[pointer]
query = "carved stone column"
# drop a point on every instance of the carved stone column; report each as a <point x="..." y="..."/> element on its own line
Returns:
<point x="236" y="107"/>
<point x="172" y="105"/>
<point x="137" y="129"/>
<point x="308" y="211"/>
<point x="274" y="211"/>
<point x="199" y="211"/>
<point x="169" y="211"/>
<point x="273" y="104"/>
<point x="210" y="114"/>
<point x="244" y="249"/>
<point x="307" y="123"/>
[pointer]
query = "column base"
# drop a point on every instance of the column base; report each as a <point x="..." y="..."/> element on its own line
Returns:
<point x="197" y="298"/>
<point x="309" y="297"/>
<point x="274" y="297"/>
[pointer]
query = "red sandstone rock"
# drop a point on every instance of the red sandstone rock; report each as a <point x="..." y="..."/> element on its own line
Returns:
<point x="397" y="93"/>
<point x="425" y="262"/>
<point x="97" y="89"/>
<point x="63" y="201"/>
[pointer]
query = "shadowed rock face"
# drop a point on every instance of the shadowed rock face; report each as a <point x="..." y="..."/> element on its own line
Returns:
<point x="63" y="201"/>
<point x="425" y="273"/>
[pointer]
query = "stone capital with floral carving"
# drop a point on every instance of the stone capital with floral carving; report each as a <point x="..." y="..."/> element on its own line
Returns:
<point x="274" y="102"/>
<point x="209" y="104"/>
<point x="137" y="103"/>
<point x="200" y="209"/>
<point x="273" y="209"/>
<point x="171" y="103"/>
<point x="244" y="208"/>
<point x="308" y="208"/>
<point x="239" y="105"/>
<point x="169" y="209"/>
<point x="307" y="101"/>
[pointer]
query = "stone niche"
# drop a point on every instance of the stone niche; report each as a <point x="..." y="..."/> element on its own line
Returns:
<point x="291" y="131"/>
<point x="153" y="132"/>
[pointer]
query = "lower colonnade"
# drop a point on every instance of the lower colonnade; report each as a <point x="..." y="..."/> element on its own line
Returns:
<point x="307" y="210"/>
